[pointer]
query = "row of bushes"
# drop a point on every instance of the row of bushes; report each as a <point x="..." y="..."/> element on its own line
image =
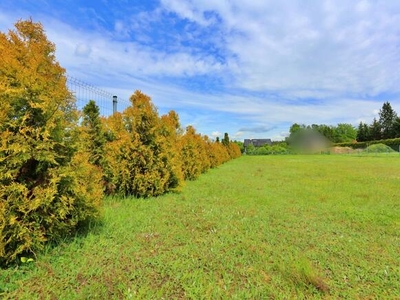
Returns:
<point x="145" y="155"/>
<point x="392" y="143"/>
<point x="56" y="163"/>
<point x="266" y="150"/>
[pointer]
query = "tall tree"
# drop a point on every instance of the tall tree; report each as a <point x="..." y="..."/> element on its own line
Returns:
<point x="363" y="134"/>
<point x="193" y="154"/>
<point x="94" y="138"/>
<point x="46" y="187"/>
<point x="396" y="127"/>
<point x="295" y="127"/>
<point x="225" y="140"/>
<point x="327" y="131"/>
<point x="375" y="130"/>
<point x="142" y="160"/>
<point x="387" y="117"/>
<point x="344" y="132"/>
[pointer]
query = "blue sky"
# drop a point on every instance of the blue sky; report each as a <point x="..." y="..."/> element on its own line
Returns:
<point x="249" y="68"/>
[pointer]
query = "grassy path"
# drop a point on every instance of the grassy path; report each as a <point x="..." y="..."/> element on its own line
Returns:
<point x="256" y="228"/>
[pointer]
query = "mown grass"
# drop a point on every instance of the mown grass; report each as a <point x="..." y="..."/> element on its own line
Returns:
<point x="279" y="227"/>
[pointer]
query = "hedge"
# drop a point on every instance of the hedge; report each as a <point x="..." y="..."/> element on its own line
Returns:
<point x="392" y="143"/>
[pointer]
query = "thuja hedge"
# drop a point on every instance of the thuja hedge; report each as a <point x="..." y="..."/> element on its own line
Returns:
<point x="392" y="143"/>
<point x="56" y="163"/>
<point x="147" y="155"/>
<point x="48" y="188"/>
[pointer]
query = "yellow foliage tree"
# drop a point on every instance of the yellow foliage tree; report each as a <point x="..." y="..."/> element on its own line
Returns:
<point x="140" y="160"/>
<point x="233" y="150"/>
<point x="47" y="187"/>
<point x="171" y="131"/>
<point x="193" y="152"/>
<point x="217" y="153"/>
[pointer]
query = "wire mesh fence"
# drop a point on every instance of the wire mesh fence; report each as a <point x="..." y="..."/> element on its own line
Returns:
<point x="84" y="92"/>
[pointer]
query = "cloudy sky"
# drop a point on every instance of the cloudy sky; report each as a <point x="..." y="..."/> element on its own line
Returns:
<point x="249" y="68"/>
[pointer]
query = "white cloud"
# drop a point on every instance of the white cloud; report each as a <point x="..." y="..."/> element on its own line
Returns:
<point x="112" y="56"/>
<point x="83" y="50"/>
<point x="337" y="46"/>
<point x="216" y="134"/>
<point x="282" y="61"/>
<point x="238" y="135"/>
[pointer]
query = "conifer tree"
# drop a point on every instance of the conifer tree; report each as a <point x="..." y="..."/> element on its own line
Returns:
<point x="193" y="154"/>
<point x="363" y="132"/>
<point x="396" y="127"/>
<point x="47" y="188"/>
<point x="225" y="140"/>
<point x="141" y="160"/>
<point x="375" y="130"/>
<point x="387" y="117"/>
<point x="93" y="136"/>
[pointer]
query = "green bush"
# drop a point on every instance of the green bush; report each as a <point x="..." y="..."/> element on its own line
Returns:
<point x="379" y="148"/>
<point x="266" y="150"/>
<point x="278" y="149"/>
<point x="392" y="143"/>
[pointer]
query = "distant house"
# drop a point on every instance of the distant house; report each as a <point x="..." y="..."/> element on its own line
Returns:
<point x="257" y="142"/>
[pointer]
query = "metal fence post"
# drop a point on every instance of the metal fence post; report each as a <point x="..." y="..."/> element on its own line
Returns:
<point x="115" y="101"/>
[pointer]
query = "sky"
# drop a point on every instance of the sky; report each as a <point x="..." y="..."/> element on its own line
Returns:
<point x="248" y="68"/>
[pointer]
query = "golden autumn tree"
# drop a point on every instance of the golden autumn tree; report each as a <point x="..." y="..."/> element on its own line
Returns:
<point x="234" y="150"/>
<point x="120" y="156"/>
<point x="193" y="154"/>
<point x="47" y="187"/>
<point x="171" y="131"/>
<point x="217" y="152"/>
<point x="140" y="160"/>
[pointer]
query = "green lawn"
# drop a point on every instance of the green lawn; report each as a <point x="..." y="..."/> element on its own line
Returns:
<point x="279" y="227"/>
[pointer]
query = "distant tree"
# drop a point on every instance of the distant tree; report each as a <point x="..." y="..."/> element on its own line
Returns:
<point x="217" y="139"/>
<point x="294" y="131"/>
<point x="295" y="127"/>
<point x="225" y="140"/>
<point x="327" y="131"/>
<point x="396" y="127"/>
<point x="240" y="144"/>
<point x="375" y="130"/>
<point x="363" y="134"/>
<point x="193" y="154"/>
<point x="250" y="149"/>
<point x="387" y="117"/>
<point x="344" y="132"/>
<point x="93" y="137"/>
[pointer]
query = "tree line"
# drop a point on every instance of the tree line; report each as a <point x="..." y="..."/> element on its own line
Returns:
<point x="341" y="133"/>
<point x="57" y="163"/>
<point x="387" y="126"/>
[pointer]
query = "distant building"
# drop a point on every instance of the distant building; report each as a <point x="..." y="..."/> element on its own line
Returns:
<point x="257" y="142"/>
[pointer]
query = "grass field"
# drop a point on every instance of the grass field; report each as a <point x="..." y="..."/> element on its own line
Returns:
<point x="282" y="227"/>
